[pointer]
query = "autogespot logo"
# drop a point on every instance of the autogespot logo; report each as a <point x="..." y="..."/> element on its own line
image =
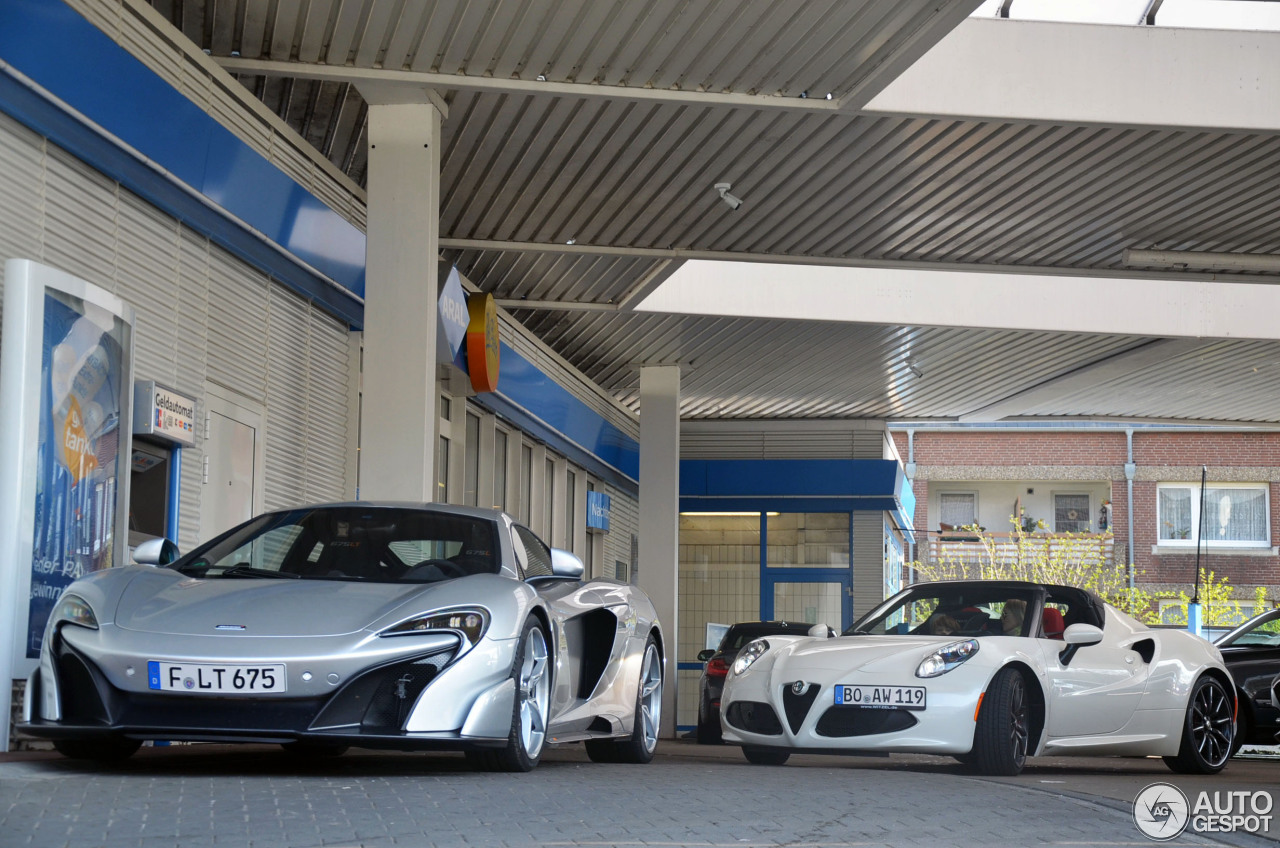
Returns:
<point x="1161" y="811"/>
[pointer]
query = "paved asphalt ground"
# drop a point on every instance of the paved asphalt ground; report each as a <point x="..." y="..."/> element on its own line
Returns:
<point x="201" y="796"/>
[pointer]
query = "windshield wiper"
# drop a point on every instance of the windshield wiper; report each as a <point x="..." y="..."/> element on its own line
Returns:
<point x="243" y="570"/>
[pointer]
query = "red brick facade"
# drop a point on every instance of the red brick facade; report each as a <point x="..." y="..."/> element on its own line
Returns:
<point x="942" y="456"/>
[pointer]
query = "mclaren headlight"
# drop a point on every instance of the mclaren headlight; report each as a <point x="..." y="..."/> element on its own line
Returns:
<point x="748" y="655"/>
<point x="73" y="609"/>
<point x="946" y="658"/>
<point x="470" y="623"/>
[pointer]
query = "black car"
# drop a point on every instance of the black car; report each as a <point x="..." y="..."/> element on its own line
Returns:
<point x="718" y="662"/>
<point x="1252" y="655"/>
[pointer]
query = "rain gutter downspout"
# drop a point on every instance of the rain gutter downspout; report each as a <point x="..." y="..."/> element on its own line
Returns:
<point x="911" y="478"/>
<point x="1130" y="469"/>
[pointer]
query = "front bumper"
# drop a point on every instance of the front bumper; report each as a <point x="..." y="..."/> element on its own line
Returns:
<point x="431" y="699"/>
<point x="762" y="710"/>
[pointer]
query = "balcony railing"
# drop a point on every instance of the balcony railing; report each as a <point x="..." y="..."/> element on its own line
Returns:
<point x="964" y="546"/>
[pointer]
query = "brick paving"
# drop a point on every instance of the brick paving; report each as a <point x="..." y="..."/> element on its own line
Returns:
<point x="258" y="797"/>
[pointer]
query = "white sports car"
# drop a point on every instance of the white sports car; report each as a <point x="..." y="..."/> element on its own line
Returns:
<point x="401" y="626"/>
<point x="990" y="672"/>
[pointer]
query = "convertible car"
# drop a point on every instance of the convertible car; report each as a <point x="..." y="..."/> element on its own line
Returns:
<point x="990" y="673"/>
<point x="391" y="626"/>
<point x="1252" y="654"/>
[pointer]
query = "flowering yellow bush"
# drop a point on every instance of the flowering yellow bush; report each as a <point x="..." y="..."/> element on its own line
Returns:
<point x="1077" y="559"/>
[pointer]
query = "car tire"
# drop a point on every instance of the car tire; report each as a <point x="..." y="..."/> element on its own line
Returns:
<point x="106" y="750"/>
<point x="531" y="671"/>
<point x="306" y="750"/>
<point x="1002" y="734"/>
<point x="709" y="732"/>
<point x="639" y="747"/>
<point x="1243" y="727"/>
<point x="1208" y="730"/>
<point x="765" y="756"/>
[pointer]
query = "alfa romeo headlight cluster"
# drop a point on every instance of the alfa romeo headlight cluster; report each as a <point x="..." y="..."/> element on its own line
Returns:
<point x="749" y="654"/>
<point x="946" y="658"/>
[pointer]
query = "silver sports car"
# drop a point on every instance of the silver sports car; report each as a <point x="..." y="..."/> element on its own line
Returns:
<point x="376" y="625"/>
<point x="990" y="673"/>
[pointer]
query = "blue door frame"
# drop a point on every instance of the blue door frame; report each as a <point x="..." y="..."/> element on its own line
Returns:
<point x="771" y="576"/>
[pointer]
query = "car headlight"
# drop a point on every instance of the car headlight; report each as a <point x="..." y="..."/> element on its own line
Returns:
<point x="946" y="658"/>
<point x="73" y="609"/>
<point x="748" y="655"/>
<point x="471" y="623"/>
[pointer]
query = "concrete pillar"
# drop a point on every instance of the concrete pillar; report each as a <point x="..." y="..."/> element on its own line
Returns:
<point x="660" y="512"/>
<point x="398" y="408"/>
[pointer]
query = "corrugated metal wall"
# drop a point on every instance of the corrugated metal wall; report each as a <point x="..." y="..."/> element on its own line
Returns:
<point x="624" y="522"/>
<point x="202" y="315"/>
<point x="782" y="439"/>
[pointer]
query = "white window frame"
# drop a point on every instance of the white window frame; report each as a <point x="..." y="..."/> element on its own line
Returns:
<point x="1088" y="510"/>
<point x="970" y="493"/>
<point x="1213" y="542"/>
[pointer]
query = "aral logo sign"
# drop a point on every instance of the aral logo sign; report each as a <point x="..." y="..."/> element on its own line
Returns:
<point x="454" y="319"/>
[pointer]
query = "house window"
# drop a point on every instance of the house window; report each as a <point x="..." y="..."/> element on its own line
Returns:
<point x="959" y="509"/>
<point x="1233" y="515"/>
<point x="1071" y="513"/>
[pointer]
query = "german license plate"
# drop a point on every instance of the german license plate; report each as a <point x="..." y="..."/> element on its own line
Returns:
<point x="881" y="697"/>
<point x="214" y="679"/>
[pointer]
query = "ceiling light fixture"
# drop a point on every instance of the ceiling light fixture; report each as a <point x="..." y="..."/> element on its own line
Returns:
<point x="1181" y="260"/>
<point x="723" y="189"/>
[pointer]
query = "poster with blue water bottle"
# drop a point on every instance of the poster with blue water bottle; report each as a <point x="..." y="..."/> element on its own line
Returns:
<point x="78" y="451"/>
<point x="66" y="389"/>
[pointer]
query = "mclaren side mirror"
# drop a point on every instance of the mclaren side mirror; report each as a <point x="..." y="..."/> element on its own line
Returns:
<point x="821" y="630"/>
<point x="159" y="551"/>
<point x="1078" y="636"/>
<point x="567" y="565"/>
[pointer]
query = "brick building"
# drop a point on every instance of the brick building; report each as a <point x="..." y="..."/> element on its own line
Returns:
<point x="1077" y="479"/>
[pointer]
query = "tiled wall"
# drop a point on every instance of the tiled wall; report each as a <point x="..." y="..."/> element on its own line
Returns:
<point x="719" y="583"/>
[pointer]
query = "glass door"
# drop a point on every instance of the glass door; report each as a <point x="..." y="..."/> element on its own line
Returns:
<point x="807" y="573"/>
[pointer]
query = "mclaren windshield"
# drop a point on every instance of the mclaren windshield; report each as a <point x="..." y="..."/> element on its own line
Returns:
<point x="382" y="544"/>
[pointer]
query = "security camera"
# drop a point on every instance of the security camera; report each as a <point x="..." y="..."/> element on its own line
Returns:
<point x="723" y="189"/>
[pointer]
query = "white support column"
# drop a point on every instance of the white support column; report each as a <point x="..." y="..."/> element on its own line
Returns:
<point x="398" y="412"/>
<point x="660" y="512"/>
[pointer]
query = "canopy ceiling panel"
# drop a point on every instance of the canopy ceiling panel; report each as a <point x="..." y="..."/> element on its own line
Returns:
<point x="584" y="138"/>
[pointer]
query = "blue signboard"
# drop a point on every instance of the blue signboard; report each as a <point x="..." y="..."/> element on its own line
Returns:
<point x="598" y="506"/>
<point x="454" y="318"/>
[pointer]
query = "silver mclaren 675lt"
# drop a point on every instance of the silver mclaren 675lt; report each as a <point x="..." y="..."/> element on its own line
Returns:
<point x="988" y="672"/>
<point x="377" y="625"/>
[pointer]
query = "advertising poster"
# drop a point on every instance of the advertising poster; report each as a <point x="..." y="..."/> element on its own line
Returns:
<point x="78" y="447"/>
